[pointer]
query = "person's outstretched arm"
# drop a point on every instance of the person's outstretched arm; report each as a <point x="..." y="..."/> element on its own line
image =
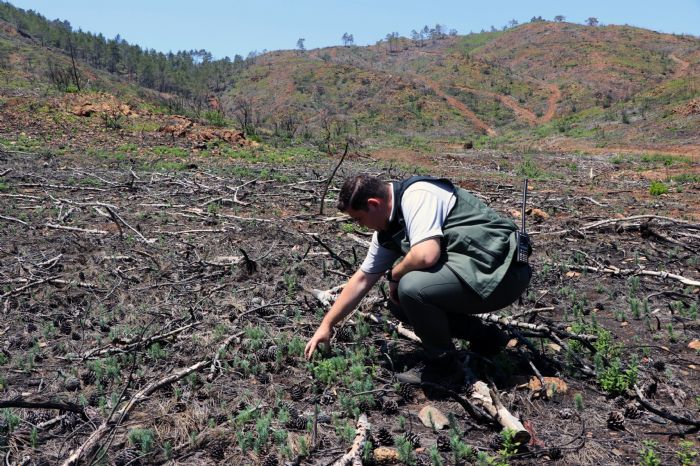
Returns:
<point x="355" y="289"/>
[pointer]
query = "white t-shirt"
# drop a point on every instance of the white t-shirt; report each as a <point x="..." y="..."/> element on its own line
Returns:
<point x="425" y="206"/>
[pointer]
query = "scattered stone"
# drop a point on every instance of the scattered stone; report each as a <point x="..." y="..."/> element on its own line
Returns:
<point x="553" y="385"/>
<point x="386" y="455"/>
<point x="433" y="418"/>
<point x="694" y="345"/>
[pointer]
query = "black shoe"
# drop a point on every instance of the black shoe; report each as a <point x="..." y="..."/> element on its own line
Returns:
<point x="484" y="338"/>
<point x="446" y="369"/>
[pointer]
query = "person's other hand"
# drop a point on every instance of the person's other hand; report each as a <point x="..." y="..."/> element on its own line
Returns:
<point x="394" y="292"/>
<point x="322" y="335"/>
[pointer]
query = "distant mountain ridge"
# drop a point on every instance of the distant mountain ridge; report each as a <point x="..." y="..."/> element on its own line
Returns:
<point x="541" y="85"/>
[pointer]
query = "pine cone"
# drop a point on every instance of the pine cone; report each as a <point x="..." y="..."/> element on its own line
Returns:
<point x="217" y="449"/>
<point x="443" y="443"/>
<point x="390" y="407"/>
<point x="384" y="437"/>
<point x="65" y="328"/>
<point x="263" y="378"/>
<point x="345" y="334"/>
<point x="566" y="413"/>
<point x="327" y="399"/>
<point x="616" y="420"/>
<point x="72" y="384"/>
<point x="291" y="409"/>
<point x="88" y="377"/>
<point x="37" y="417"/>
<point x="270" y="460"/>
<point x="632" y="410"/>
<point x="69" y="422"/>
<point x="412" y="438"/>
<point x="620" y="402"/>
<point x="128" y="456"/>
<point x="220" y="418"/>
<point x="659" y="366"/>
<point x="263" y="355"/>
<point x="297" y="423"/>
<point x="555" y="453"/>
<point x="296" y="393"/>
<point x="406" y="391"/>
<point x="94" y="399"/>
<point x="272" y="353"/>
<point x="4" y="425"/>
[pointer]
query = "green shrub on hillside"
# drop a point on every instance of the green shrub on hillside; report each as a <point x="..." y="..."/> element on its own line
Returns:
<point x="657" y="188"/>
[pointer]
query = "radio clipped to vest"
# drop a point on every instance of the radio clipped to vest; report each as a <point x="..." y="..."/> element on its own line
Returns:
<point x="524" y="244"/>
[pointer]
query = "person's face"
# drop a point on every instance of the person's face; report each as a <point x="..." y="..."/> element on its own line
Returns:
<point x="375" y="217"/>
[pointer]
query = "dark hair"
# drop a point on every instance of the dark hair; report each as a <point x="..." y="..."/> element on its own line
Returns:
<point x="358" y="189"/>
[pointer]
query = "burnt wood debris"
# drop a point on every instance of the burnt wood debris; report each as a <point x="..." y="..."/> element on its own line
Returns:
<point x="149" y="316"/>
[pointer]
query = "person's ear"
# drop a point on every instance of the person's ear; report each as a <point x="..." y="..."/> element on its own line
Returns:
<point x="373" y="202"/>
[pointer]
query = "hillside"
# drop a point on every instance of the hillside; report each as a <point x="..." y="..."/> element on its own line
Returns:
<point x="539" y="86"/>
<point x="543" y="84"/>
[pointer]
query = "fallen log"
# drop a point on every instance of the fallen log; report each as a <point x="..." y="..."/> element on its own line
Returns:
<point x="354" y="455"/>
<point x="489" y="401"/>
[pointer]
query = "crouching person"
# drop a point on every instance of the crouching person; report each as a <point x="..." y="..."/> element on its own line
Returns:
<point x="458" y="258"/>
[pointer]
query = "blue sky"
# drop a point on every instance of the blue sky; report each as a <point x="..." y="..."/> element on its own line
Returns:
<point x="226" y="28"/>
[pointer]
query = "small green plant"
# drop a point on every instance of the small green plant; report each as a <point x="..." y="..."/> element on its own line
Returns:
<point x="155" y="351"/>
<point x="647" y="455"/>
<point x="614" y="380"/>
<point x="687" y="454"/>
<point x="142" y="438"/>
<point x="578" y="402"/>
<point x="435" y="457"/>
<point x="657" y="188"/>
<point x="402" y="422"/>
<point x="634" y="307"/>
<point x="11" y="419"/>
<point x="671" y="333"/>
<point x="213" y="208"/>
<point x="633" y="284"/>
<point x="460" y="450"/>
<point x="406" y="453"/>
<point x="262" y="430"/>
<point x="346" y="431"/>
<point x="303" y="447"/>
<point x="112" y="120"/>
<point x="509" y="446"/>
<point x="347" y="227"/>
<point x="34" y="437"/>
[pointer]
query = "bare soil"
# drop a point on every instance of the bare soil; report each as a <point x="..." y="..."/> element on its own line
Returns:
<point x="115" y="275"/>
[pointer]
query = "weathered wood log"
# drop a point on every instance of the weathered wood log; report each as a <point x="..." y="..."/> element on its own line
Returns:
<point x="354" y="455"/>
<point x="483" y="397"/>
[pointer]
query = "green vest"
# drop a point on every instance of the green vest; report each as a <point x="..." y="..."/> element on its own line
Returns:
<point x="478" y="244"/>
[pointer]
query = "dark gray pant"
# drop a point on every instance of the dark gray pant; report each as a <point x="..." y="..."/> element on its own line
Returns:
<point x="438" y="304"/>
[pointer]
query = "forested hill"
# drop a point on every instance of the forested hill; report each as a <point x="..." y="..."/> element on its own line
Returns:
<point x="540" y="85"/>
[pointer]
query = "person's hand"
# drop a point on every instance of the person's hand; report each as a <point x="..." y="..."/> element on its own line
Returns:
<point x="322" y="335"/>
<point x="394" y="292"/>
